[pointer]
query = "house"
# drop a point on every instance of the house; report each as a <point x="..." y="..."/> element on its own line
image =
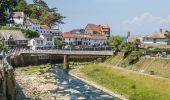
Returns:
<point x="156" y="40"/>
<point x="56" y="33"/>
<point x="132" y="38"/>
<point x="98" y="40"/>
<point x="156" y="37"/>
<point x="17" y="18"/>
<point x="44" y="29"/>
<point x="33" y="24"/>
<point x="42" y="42"/>
<point x="93" y="29"/>
<point x="68" y="38"/>
<point x="84" y="39"/>
<point x="13" y="38"/>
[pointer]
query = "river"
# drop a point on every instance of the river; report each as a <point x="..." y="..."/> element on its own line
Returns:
<point x="58" y="85"/>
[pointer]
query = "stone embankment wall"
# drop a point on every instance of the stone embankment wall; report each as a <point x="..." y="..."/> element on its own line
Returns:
<point x="31" y="59"/>
<point x="7" y="83"/>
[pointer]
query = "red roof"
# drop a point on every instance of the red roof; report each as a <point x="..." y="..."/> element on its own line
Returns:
<point x="94" y="27"/>
<point x="44" y="27"/>
<point x="106" y="26"/>
<point x="67" y="35"/>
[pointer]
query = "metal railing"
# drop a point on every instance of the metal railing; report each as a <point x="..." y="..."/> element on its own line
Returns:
<point x="70" y="52"/>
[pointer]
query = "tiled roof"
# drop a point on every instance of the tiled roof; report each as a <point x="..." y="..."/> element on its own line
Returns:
<point x="156" y="35"/>
<point x="67" y="35"/>
<point x="106" y="26"/>
<point x="35" y="21"/>
<point x="94" y="27"/>
<point x="44" y="27"/>
<point x="15" y="34"/>
<point x="17" y="14"/>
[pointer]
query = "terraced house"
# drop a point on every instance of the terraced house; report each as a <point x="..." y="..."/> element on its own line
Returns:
<point x="93" y="35"/>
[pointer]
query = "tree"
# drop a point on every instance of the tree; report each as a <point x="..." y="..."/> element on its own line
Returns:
<point x="59" y="43"/>
<point x="21" y="6"/>
<point x="30" y="33"/>
<point x="46" y="15"/>
<point x="6" y="6"/>
<point x="115" y="41"/>
<point x="137" y="44"/>
<point x="167" y="35"/>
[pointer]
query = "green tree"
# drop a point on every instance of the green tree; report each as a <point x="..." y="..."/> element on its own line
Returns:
<point x="137" y="44"/>
<point x="30" y="33"/>
<point x="116" y="41"/>
<point x="59" y="43"/>
<point x="6" y="6"/>
<point x="127" y="48"/>
<point x="21" y="6"/>
<point x="167" y="35"/>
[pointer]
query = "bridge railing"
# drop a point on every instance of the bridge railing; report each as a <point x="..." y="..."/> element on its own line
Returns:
<point x="70" y="52"/>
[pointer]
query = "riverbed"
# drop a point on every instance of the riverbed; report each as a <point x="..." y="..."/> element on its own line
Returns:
<point x="56" y="85"/>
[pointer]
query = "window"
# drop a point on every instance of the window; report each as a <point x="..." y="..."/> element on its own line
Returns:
<point x="41" y="41"/>
<point x="89" y="39"/>
<point x="19" y="17"/>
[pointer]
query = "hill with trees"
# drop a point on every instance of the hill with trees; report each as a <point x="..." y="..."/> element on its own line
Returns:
<point x="39" y="10"/>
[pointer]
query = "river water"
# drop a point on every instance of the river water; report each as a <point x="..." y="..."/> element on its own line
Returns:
<point x="83" y="90"/>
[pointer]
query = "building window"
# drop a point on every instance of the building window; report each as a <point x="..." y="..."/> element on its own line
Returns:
<point x="41" y="41"/>
<point x="19" y="17"/>
<point x="89" y="39"/>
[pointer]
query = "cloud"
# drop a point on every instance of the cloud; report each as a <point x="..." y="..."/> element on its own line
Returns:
<point x="145" y="22"/>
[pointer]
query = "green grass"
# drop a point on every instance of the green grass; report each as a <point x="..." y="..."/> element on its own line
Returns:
<point x="33" y="69"/>
<point x="131" y="84"/>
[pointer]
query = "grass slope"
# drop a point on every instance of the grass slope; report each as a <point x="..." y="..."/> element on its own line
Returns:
<point x="134" y="85"/>
<point x="160" y="66"/>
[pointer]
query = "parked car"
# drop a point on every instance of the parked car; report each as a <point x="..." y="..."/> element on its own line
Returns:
<point x="68" y="47"/>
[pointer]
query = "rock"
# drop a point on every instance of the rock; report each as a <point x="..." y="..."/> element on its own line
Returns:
<point x="65" y="83"/>
<point x="81" y="98"/>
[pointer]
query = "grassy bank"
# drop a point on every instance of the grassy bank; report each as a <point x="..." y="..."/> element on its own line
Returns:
<point x="133" y="85"/>
<point x="34" y="69"/>
<point x="160" y="66"/>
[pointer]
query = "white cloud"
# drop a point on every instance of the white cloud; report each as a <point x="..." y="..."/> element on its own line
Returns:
<point x="146" y="22"/>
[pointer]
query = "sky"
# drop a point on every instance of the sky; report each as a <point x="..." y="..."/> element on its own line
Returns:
<point x="140" y="17"/>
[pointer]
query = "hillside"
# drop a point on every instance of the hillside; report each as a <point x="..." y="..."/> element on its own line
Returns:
<point x="159" y="66"/>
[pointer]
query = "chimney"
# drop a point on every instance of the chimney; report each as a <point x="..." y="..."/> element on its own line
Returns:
<point x="129" y="34"/>
<point x="161" y="30"/>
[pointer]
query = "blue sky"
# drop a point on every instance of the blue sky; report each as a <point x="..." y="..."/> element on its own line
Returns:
<point x="138" y="16"/>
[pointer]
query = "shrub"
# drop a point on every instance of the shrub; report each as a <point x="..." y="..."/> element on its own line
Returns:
<point x="30" y="33"/>
<point x="134" y="57"/>
<point x="8" y="28"/>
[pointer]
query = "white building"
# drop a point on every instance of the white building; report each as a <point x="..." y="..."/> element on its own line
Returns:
<point x="84" y="39"/>
<point x="44" y="29"/>
<point x="156" y="38"/>
<point x="17" y="18"/>
<point x="42" y="42"/>
<point x="33" y="24"/>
